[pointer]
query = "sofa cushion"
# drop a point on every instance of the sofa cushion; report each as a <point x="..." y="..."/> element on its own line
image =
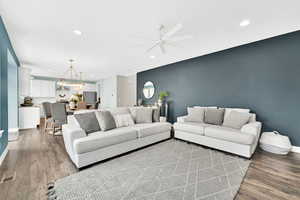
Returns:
<point x="106" y="120"/>
<point x="191" y="127"/>
<point x="84" y="111"/>
<point x="236" y="119"/>
<point x="73" y="121"/>
<point x="229" y="134"/>
<point x="228" y="110"/>
<point x="195" y="115"/>
<point x="102" y="139"/>
<point x="214" y="116"/>
<point x="133" y="112"/>
<point x="144" y="115"/>
<point x="88" y="122"/>
<point x="148" y="129"/>
<point x="122" y="120"/>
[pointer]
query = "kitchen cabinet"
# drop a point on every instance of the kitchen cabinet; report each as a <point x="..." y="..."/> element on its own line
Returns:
<point x="24" y="81"/>
<point x="42" y="88"/>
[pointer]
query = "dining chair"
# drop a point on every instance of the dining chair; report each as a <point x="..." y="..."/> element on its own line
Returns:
<point x="48" y="117"/>
<point x="59" y="115"/>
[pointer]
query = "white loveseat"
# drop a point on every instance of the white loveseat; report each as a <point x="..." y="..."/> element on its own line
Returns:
<point x="242" y="142"/>
<point x="86" y="149"/>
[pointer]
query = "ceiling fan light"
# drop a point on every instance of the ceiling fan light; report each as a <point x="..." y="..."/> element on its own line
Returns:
<point x="245" y="23"/>
<point x="77" y="32"/>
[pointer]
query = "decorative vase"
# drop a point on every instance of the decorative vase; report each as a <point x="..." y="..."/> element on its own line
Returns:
<point x="160" y="102"/>
<point x="140" y="102"/>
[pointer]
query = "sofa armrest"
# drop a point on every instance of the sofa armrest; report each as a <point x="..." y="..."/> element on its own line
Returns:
<point x="253" y="128"/>
<point x="70" y="134"/>
<point x="181" y="118"/>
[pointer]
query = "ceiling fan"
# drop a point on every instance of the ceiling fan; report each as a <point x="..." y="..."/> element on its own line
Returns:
<point x="168" y="38"/>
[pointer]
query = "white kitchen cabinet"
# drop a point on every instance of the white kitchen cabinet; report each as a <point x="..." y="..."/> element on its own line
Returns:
<point x="42" y="88"/>
<point x="29" y="117"/>
<point x="24" y="81"/>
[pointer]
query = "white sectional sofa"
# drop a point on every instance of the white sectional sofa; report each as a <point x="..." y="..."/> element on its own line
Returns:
<point x="86" y="149"/>
<point x="242" y="142"/>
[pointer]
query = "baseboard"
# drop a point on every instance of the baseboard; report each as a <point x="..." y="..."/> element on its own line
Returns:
<point x="3" y="155"/>
<point x="13" y="130"/>
<point x="13" y="134"/>
<point x="296" y="149"/>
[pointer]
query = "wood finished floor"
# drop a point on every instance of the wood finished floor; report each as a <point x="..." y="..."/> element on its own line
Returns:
<point x="39" y="158"/>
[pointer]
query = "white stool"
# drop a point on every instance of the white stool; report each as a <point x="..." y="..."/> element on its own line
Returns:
<point x="275" y="143"/>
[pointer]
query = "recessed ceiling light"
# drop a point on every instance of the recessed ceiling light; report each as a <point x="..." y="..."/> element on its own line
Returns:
<point x="77" y="32"/>
<point x="245" y="22"/>
<point x="152" y="57"/>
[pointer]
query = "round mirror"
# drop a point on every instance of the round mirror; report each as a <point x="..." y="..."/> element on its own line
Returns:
<point x="148" y="90"/>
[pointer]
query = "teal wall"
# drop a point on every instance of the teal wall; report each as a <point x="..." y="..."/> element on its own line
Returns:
<point x="262" y="76"/>
<point x="5" y="46"/>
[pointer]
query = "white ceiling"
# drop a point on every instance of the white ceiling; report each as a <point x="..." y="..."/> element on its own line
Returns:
<point x="116" y="34"/>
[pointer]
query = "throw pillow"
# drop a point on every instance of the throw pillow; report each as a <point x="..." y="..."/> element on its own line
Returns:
<point x="106" y="120"/>
<point x="123" y="120"/>
<point x="119" y="110"/>
<point x="228" y="110"/>
<point x="236" y="119"/>
<point x="195" y="114"/>
<point x="155" y="114"/>
<point x="88" y="122"/>
<point x="133" y="112"/>
<point x="144" y="115"/>
<point x="214" y="116"/>
<point x="205" y="107"/>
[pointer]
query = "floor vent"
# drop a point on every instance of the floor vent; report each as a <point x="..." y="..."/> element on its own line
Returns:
<point x="8" y="178"/>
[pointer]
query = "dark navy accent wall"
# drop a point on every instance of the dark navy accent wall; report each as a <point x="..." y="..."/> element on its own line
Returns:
<point x="263" y="76"/>
<point x="5" y="46"/>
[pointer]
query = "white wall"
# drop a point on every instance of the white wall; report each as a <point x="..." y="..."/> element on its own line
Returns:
<point x="108" y="92"/>
<point x="12" y="94"/>
<point x="122" y="91"/>
<point x="117" y="91"/>
<point x="132" y="89"/>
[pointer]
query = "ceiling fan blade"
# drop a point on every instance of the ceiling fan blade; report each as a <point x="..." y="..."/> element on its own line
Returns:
<point x="174" y="30"/>
<point x="179" y="38"/>
<point x="152" y="47"/>
<point x="172" y="44"/>
<point x="162" y="48"/>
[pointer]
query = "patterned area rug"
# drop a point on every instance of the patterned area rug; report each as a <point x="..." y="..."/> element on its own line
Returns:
<point x="171" y="170"/>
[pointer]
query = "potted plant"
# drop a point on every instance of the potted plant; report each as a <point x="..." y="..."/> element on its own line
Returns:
<point x="161" y="97"/>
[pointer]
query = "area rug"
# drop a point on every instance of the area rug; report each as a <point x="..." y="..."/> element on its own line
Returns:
<point x="171" y="170"/>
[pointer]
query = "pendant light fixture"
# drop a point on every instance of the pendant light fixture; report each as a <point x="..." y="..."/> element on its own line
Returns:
<point x="71" y="77"/>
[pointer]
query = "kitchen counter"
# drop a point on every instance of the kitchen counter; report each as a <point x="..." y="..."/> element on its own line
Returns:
<point x="29" y="117"/>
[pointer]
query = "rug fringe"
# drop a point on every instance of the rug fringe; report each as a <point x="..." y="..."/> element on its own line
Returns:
<point x="51" y="191"/>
